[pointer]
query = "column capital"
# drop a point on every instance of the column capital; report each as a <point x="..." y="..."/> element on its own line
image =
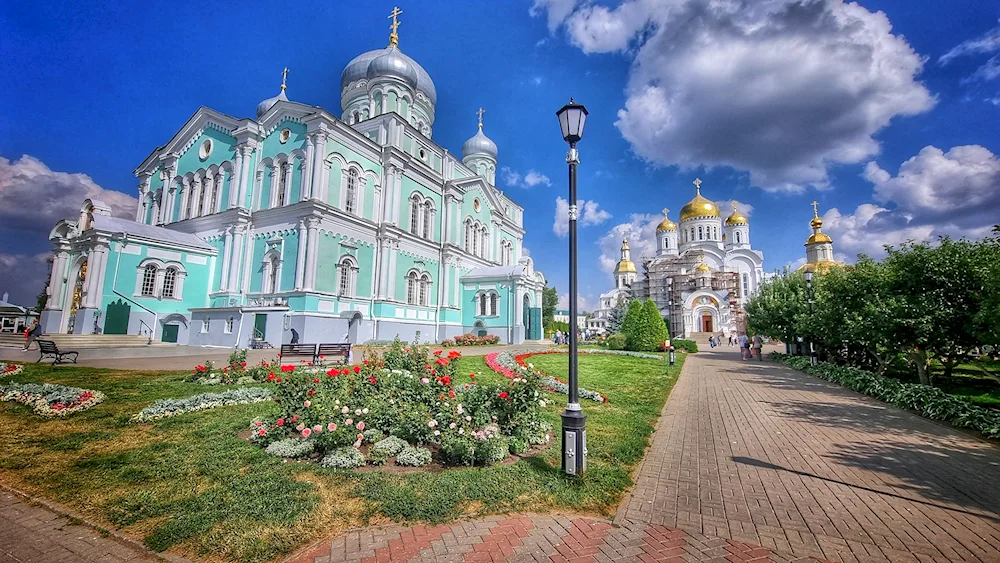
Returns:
<point x="312" y="222"/>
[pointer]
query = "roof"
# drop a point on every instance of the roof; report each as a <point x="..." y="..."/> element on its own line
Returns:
<point x="493" y="272"/>
<point x="152" y="232"/>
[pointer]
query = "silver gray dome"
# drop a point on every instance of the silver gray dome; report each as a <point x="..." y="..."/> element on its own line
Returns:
<point x="393" y="65"/>
<point x="357" y="69"/>
<point x="269" y="103"/>
<point x="479" y="144"/>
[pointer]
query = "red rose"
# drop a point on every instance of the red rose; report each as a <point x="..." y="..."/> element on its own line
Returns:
<point x="371" y="379"/>
<point x="437" y="352"/>
<point x="278" y="380"/>
<point x="441" y="362"/>
<point x="243" y="364"/>
<point x="271" y="377"/>
<point x="295" y="418"/>
<point x="503" y="395"/>
<point x="454" y="354"/>
<point x="451" y="393"/>
<point x="312" y="392"/>
<point x="287" y="368"/>
<point x="357" y="369"/>
<point x="332" y="372"/>
<point x="280" y="422"/>
<point x="472" y="375"/>
<point x="344" y="371"/>
<point x="445" y="380"/>
<point x="315" y="381"/>
<point x="321" y="356"/>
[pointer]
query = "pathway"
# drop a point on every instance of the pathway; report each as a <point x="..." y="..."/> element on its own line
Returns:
<point x="752" y="462"/>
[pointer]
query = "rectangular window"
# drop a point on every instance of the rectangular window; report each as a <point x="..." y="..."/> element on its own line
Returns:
<point x="701" y="233"/>
<point x="149" y="281"/>
<point x="493" y="304"/>
<point x="204" y="325"/>
<point x="229" y="325"/>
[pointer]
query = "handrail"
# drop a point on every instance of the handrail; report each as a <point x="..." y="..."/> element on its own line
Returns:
<point x="149" y="331"/>
<point x="133" y="301"/>
<point x="141" y="322"/>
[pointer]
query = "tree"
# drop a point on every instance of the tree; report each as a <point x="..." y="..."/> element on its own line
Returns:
<point x="550" y="299"/>
<point x="778" y="306"/>
<point x="632" y="322"/>
<point x="616" y="316"/>
<point x="656" y="329"/>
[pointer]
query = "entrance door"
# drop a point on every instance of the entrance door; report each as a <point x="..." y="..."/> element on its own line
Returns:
<point x="526" y="317"/>
<point x="706" y="323"/>
<point x="169" y="334"/>
<point x="259" y="326"/>
<point x="116" y="317"/>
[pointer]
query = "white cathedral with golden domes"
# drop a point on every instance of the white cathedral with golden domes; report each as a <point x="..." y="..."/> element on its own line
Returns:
<point x="702" y="273"/>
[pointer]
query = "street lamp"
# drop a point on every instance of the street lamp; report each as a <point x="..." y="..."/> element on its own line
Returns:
<point x="670" y="319"/>
<point x="572" y="118"/>
<point x="809" y="295"/>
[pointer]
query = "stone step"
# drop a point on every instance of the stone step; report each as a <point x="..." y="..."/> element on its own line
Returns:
<point x="77" y="341"/>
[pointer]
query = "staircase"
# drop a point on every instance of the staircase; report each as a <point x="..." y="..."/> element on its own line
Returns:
<point x="82" y="341"/>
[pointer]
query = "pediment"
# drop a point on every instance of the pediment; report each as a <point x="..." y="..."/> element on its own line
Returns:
<point x="469" y="185"/>
<point x="189" y="133"/>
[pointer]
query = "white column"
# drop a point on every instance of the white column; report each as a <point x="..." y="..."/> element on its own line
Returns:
<point x="286" y="184"/>
<point x="227" y="256"/>
<point x="312" y="251"/>
<point x="55" y="290"/>
<point x="391" y="273"/>
<point x="319" y="154"/>
<point x="308" y="169"/>
<point x="91" y="282"/>
<point x="234" y="257"/>
<point x="244" y="177"/>
<point x="300" y="259"/>
<point x="207" y="184"/>
<point x="237" y="182"/>
<point x="457" y="300"/>
<point x="445" y="285"/>
<point x="143" y="190"/>
<point x="171" y="200"/>
<point x="383" y="270"/>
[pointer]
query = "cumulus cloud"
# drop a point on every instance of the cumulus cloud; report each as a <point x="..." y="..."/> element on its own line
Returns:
<point x="726" y="207"/>
<point x="514" y="179"/>
<point x="782" y="88"/>
<point x="641" y="234"/>
<point x="583" y="303"/>
<point x="33" y="197"/>
<point x="590" y="214"/>
<point x="935" y="193"/>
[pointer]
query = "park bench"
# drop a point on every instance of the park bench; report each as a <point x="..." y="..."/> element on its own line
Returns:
<point x="289" y="351"/>
<point x="48" y="349"/>
<point x="326" y="351"/>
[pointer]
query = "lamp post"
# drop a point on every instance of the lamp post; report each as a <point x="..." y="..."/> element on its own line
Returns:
<point x="572" y="118"/>
<point x="670" y="319"/>
<point x="809" y="296"/>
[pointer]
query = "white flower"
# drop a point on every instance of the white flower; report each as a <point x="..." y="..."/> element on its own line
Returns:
<point x="357" y="412"/>
<point x="364" y="411"/>
<point x="345" y="410"/>
<point x="452" y="425"/>
<point x="468" y="419"/>
<point x="461" y="430"/>
<point x="437" y="432"/>
<point x="541" y="403"/>
<point x="530" y="365"/>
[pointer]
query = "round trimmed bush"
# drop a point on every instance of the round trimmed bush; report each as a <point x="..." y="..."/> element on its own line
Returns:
<point x="414" y="457"/>
<point x="344" y="458"/>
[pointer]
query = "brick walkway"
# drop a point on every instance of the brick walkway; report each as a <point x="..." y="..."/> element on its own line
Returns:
<point x="751" y="462"/>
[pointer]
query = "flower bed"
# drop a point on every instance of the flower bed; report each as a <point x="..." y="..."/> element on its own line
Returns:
<point x="237" y="372"/>
<point x="10" y="369"/>
<point x="472" y="340"/>
<point x="51" y="400"/>
<point x="928" y="401"/>
<point x="410" y="395"/>
<point x="512" y="368"/>
<point x="165" y="408"/>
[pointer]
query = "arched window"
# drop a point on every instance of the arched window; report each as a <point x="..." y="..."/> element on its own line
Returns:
<point x="192" y="199"/>
<point x="411" y="288"/>
<point x="169" y="283"/>
<point x="351" y="192"/>
<point x="356" y="117"/>
<point x="738" y="236"/>
<point x="701" y="234"/>
<point x="415" y="214"/>
<point x="493" y="304"/>
<point x="347" y="272"/>
<point x="271" y="283"/>
<point x="229" y="325"/>
<point x="715" y="233"/>
<point x="468" y="236"/>
<point x="425" y="283"/>
<point x="149" y="280"/>
<point x="280" y="190"/>
<point x="427" y="220"/>
<point x="482" y="304"/>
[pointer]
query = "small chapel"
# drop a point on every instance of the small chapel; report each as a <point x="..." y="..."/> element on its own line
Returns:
<point x="700" y="276"/>
<point x="298" y="223"/>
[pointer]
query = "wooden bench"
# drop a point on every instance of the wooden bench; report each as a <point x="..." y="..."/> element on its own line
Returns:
<point x="48" y="349"/>
<point x="298" y="351"/>
<point x="341" y="350"/>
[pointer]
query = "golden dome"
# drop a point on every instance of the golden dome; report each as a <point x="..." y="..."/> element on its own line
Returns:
<point x="703" y="267"/>
<point x="818" y="238"/>
<point x="625" y="264"/>
<point x="666" y="224"/>
<point x="820" y="267"/>
<point x="736" y="218"/>
<point x="816" y="223"/>
<point x="699" y="206"/>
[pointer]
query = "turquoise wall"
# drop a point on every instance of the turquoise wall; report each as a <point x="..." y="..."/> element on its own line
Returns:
<point x="195" y="291"/>
<point x="406" y="262"/>
<point x="223" y="150"/>
<point x="470" y="306"/>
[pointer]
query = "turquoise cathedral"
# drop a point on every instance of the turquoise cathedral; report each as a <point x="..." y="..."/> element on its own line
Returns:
<point x="301" y="223"/>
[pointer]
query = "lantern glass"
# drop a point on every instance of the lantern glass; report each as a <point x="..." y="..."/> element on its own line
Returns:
<point x="572" y="118"/>
<point x="809" y="277"/>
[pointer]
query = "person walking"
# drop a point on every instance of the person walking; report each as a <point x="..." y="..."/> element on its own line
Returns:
<point x="32" y="334"/>
<point x="744" y="346"/>
<point x="758" y="345"/>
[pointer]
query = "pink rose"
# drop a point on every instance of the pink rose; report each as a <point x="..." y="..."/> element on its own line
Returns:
<point x="318" y="428"/>
<point x="306" y="404"/>
<point x="357" y="412"/>
<point x="306" y="432"/>
<point x="361" y="426"/>
<point x="424" y="380"/>
<point x="344" y="410"/>
<point x="300" y="427"/>
<point x="331" y="427"/>
<point x="349" y="421"/>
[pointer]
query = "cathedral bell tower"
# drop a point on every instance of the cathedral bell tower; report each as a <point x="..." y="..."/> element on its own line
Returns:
<point x="625" y="272"/>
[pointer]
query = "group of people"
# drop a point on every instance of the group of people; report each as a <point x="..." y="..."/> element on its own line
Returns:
<point x="750" y="346"/>
<point x="560" y="337"/>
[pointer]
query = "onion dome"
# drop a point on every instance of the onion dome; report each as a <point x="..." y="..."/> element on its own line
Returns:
<point x="392" y="64"/>
<point x="625" y="264"/>
<point x="818" y="237"/>
<point x="703" y="267"/>
<point x="736" y="218"/>
<point x="269" y="103"/>
<point x="480" y="144"/>
<point x="666" y="224"/>
<point x="699" y="206"/>
<point x="817" y="224"/>
<point x="357" y="69"/>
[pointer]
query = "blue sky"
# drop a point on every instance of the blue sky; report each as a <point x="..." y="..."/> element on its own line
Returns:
<point x="774" y="107"/>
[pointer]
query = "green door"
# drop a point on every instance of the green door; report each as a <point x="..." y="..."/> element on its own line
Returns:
<point x="259" y="326"/>
<point x="116" y="317"/>
<point x="535" y="328"/>
<point x="169" y="334"/>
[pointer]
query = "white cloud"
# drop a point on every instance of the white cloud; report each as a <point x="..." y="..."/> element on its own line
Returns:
<point x="537" y="81"/>
<point x="512" y="178"/>
<point x="590" y="214"/>
<point x="525" y="253"/>
<point x="935" y="193"/>
<point x="989" y="42"/>
<point x="781" y="88"/>
<point x="23" y="276"/>
<point x="726" y="207"/>
<point x="583" y="303"/>
<point x="641" y="234"/>
<point x="33" y="197"/>
<point x="541" y="42"/>
<point x="796" y="264"/>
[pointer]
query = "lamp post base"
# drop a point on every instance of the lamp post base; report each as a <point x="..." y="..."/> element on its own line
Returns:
<point x="574" y="442"/>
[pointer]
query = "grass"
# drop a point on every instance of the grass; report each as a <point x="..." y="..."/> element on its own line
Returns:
<point x="969" y="382"/>
<point x="187" y="484"/>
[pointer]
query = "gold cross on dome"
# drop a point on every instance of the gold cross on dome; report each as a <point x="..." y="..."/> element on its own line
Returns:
<point x="665" y="211"/>
<point x="816" y="208"/>
<point x="697" y="184"/>
<point x="284" y="78"/>
<point x="480" y="114"/>
<point x="735" y="203"/>
<point x="394" y="36"/>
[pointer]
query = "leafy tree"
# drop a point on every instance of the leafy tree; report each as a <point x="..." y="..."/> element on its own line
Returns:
<point x="775" y="310"/>
<point x="633" y="322"/>
<point x="550" y="299"/>
<point x="656" y="329"/>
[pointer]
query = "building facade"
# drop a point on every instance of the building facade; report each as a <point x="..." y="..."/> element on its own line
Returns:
<point x="702" y="272"/>
<point x="299" y="224"/>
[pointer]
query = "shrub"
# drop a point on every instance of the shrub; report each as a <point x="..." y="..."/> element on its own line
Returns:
<point x="413" y="457"/>
<point x="617" y="341"/>
<point x="291" y="447"/>
<point x="473" y="340"/>
<point x="50" y="400"/>
<point x="373" y="435"/>
<point x="689" y="346"/>
<point x="391" y="445"/>
<point x="344" y="458"/>
<point x="632" y="325"/>
<point x="492" y="449"/>
<point x="458" y="450"/>
<point x="165" y="408"/>
<point x="518" y="445"/>
<point x="378" y="457"/>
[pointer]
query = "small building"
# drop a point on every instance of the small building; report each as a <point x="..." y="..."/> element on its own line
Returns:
<point x="14" y="318"/>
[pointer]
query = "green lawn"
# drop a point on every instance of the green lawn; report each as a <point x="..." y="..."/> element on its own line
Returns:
<point x="188" y="484"/>
<point x="971" y="383"/>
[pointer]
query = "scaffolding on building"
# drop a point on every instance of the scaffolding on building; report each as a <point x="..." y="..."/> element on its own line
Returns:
<point x="665" y="281"/>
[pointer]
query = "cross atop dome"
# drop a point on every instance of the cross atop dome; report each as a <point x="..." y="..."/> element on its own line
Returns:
<point x="394" y="36"/>
<point x="666" y="211"/>
<point x="697" y="185"/>
<point x="480" y="114"/>
<point x="815" y="205"/>
<point x="284" y="79"/>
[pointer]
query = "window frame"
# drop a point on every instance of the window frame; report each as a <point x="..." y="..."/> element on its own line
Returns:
<point x="169" y="278"/>
<point x="148" y="287"/>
